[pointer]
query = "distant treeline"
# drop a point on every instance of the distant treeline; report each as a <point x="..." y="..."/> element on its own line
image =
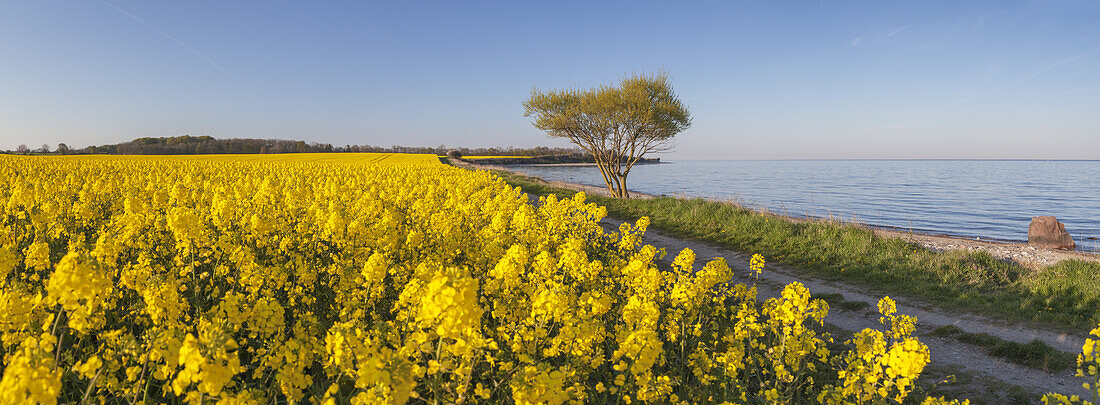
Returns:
<point x="198" y="145"/>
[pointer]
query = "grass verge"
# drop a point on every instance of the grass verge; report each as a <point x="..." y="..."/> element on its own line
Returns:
<point x="1035" y="354"/>
<point x="837" y="301"/>
<point x="1065" y="296"/>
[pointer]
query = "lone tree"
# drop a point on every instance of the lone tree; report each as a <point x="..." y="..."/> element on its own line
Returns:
<point x="618" y="125"/>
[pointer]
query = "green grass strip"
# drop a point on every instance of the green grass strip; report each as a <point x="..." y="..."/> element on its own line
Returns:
<point x="1035" y="354"/>
<point x="1065" y="296"/>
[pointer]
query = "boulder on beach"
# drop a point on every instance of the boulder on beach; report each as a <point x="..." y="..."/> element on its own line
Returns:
<point x="1049" y="233"/>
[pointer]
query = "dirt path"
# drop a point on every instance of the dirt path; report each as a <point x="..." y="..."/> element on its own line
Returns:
<point x="947" y="353"/>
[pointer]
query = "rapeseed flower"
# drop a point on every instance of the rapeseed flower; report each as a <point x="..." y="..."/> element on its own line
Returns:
<point x="336" y="279"/>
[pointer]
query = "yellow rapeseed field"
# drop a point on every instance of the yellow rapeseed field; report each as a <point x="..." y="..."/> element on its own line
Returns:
<point x="385" y="278"/>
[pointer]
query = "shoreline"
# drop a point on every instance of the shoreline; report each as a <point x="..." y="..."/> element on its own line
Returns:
<point x="514" y="165"/>
<point x="548" y="160"/>
<point x="1019" y="252"/>
<point x="567" y="164"/>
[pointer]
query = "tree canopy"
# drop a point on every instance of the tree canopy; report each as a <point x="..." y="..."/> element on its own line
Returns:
<point x="618" y="125"/>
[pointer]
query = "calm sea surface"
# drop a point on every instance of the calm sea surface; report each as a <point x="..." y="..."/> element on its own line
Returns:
<point x="989" y="199"/>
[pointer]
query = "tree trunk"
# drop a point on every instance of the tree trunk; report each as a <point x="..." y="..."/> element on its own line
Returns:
<point x="623" y="192"/>
<point x="605" y="171"/>
<point x="613" y="177"/>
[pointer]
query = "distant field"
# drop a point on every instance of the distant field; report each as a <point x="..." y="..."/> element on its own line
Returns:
<point x="404" y="159"/>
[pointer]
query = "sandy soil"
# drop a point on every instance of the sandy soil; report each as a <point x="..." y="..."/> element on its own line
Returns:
<point x="1030" y="256"/>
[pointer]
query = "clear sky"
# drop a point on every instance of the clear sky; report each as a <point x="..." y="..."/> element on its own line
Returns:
<point x="829" y="79"/>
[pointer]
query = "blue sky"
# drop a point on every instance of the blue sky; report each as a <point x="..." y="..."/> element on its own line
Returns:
<point x="992" y="79"/>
